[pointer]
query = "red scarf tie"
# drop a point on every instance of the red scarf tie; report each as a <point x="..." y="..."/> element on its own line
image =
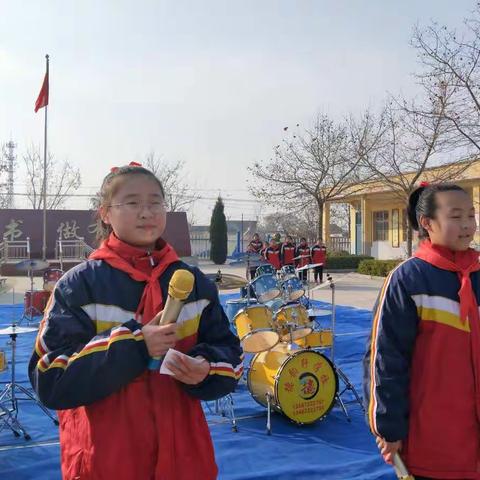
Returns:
<point x="122" y="256"/>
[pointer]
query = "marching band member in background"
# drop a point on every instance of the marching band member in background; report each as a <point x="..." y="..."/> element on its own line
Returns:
<point x="255" y="246"/>
<point x="422" y="366"/>
<point x="303" y="258"/>
<point x="319" y="255"/>
<point x="287" y="251"/>
<point x="272" y="254"/>
<point x="118" y="419"/>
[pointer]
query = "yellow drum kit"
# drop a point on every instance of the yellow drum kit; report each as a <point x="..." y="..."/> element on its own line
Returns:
<point x="290" y="372"/>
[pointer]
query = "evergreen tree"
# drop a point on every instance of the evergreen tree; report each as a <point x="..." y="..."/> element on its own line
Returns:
<point x="218" y="234"/>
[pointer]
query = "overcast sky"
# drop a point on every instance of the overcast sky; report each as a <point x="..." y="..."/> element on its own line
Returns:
<point x="211" y="82"/>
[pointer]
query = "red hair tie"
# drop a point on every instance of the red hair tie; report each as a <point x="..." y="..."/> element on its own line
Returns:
<point x="424" y="184"/>
<point x="131" y="164"/>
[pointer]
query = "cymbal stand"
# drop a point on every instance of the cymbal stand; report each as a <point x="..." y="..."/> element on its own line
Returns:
<point x="348" y="386"/>
<point x="9" y="399"/>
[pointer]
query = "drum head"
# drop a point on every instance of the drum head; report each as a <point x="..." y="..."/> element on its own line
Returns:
<point x="306" y="386"/>
<point x="296" y="333"/>
<point x="260" y="341"/>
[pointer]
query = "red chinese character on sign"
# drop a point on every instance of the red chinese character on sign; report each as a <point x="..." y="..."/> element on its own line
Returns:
<point x="324" y="379"/>
<point x="317" y="366"/>
<point x="288" y="387"/>
<point x="293" y="372"/>
<point x="304" y="362"/>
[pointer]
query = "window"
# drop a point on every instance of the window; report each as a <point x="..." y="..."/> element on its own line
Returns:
<point x="395" y="228"/>
<point x="380" y="225"/>
<point x="404" y="225"/>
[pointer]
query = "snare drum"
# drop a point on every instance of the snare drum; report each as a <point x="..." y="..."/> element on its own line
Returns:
<point x="292" y="322"/>
<point x="255" y="328"/>
<point x="301" y="384"/>
<point x="320" y="339"/>
<point x="293" y="288"/>
<point x="266" y="269"/>
<point x="50" y="278"/>
<point x="288" y="271"/>
<point x="266" y="288"/>
<point x="34" y="302"/>
<point x="232" y="307"/>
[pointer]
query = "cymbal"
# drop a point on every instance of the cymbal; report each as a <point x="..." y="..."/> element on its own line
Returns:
<point x="34" y="265"/>
<point x="227" y="281"/>
<point x="308" y="266"/>
<point x="13" y="329"/>
<point x="318" y="312"/>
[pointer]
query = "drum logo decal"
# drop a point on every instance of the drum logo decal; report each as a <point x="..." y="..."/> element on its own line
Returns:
<point x="308" y="385"/>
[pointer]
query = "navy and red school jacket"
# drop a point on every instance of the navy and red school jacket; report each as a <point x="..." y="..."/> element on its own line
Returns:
<point x="319" y="254"/>
<point x="304" y="252"/>
<point x="272" y="255"/>
<point x="419" y="383"/>
<point x="117" y="418"/>
<point x="255" y="247"/>
<point x="287" y="253"/>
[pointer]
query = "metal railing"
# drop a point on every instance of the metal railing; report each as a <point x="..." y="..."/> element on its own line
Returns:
<point x="338" y="244"/>
<point x="72" y="250"/>
<point x="14" y="250"/>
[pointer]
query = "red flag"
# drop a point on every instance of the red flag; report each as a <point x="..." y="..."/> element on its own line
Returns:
<point x="42" y="100"/>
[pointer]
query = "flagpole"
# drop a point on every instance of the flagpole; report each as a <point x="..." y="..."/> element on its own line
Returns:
<point x="44" y="243"/>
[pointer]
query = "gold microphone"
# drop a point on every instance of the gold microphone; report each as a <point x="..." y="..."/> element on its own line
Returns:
<point x="179" y="288"/>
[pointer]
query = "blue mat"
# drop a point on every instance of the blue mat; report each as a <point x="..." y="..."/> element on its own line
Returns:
<point x="330" y="449"/>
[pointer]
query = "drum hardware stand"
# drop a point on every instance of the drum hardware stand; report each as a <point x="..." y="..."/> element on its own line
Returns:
<point x="348" y="384"/>
<point x="32" y="311"/>
<point x="269" y="414"/>
<point x="9" y="395"/>
<point x="225" y="407"/>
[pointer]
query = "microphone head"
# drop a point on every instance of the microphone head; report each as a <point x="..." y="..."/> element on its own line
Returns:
<point x="181" y="284"/>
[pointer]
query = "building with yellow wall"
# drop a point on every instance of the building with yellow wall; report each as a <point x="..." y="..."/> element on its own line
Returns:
<point x="378" y="212"/>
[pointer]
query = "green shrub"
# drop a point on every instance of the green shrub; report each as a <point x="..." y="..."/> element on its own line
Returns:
<point x="377" y="268"/>
<point x="349" y="262"/>
<point x="341" y="253"/>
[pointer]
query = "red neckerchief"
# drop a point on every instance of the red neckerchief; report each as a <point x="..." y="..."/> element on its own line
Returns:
<point x="120" y="255"/>
<point x="464" y="263"/>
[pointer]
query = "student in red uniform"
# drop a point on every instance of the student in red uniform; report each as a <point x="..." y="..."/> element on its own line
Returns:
<point x="319" y="255"/>
<point x="422" y="366"/>
<point x="287" y="251"/>
<point x="118" y="419"/>
<point x="303" y="258"/>
<point x="255" y="246"/>
<point x="272" y="254"/>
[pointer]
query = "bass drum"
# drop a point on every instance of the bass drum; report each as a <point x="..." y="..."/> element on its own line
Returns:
<point x="302" y="384"/>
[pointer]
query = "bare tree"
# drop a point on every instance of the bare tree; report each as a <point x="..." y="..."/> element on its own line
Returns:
<point x="311" y="166"/>
<point x="178" y="193"/>
<point x="62" y="180"/>
<point x="301" y="224"/>
<point x="402" y="144"/>
<point x="450" y="60"/>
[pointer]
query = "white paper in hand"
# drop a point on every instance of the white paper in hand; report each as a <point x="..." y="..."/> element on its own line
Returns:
<point x="172" y="356"/>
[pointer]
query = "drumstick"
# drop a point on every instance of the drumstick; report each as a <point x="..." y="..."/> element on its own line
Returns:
<point x="401" y="469"/>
